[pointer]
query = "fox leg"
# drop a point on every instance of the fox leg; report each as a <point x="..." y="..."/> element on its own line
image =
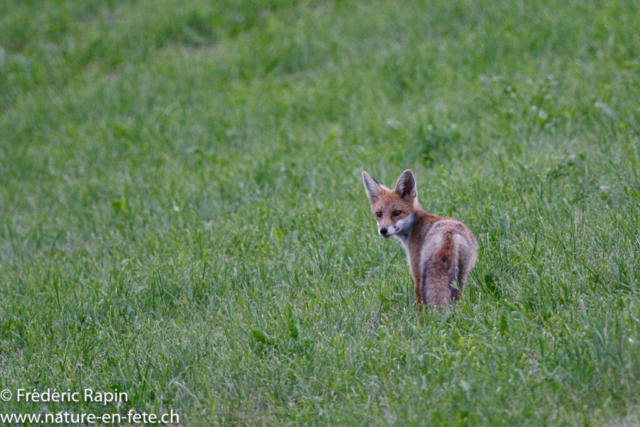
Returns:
<point x="416" y="291"/>
<point x="462" y="279"/>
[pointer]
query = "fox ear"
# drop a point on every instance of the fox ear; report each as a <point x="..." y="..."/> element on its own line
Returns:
<point x="371" y="186"/>
<point x="406" y="185"/>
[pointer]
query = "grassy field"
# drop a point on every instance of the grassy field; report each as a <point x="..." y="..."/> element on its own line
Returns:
<point x="182" y="216"/>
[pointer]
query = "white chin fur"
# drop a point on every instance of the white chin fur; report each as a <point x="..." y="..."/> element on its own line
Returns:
<point x="405" y="223"/>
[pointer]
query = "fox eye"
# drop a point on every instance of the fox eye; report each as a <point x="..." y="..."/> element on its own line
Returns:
<point x="379" y="214"/>
<point x="396" y="213"/>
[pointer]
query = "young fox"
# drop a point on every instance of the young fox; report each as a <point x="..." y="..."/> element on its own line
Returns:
<point x="440" y="250"/>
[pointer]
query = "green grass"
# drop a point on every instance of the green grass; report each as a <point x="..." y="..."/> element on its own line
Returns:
<point x="182" y="215"/>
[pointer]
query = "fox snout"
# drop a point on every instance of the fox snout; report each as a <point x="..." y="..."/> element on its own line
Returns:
<point x="389" y="230"/>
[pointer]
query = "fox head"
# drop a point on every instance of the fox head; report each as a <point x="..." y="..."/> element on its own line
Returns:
<point x="393" y="209"/>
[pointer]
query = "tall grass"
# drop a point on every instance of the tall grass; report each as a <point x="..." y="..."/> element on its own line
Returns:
<point x="182" y="216"/>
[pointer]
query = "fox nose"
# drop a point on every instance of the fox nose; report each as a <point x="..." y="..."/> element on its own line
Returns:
<point x="383" y="231"/>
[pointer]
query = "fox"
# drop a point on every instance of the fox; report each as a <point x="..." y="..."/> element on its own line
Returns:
<point x="441" y="251"/>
